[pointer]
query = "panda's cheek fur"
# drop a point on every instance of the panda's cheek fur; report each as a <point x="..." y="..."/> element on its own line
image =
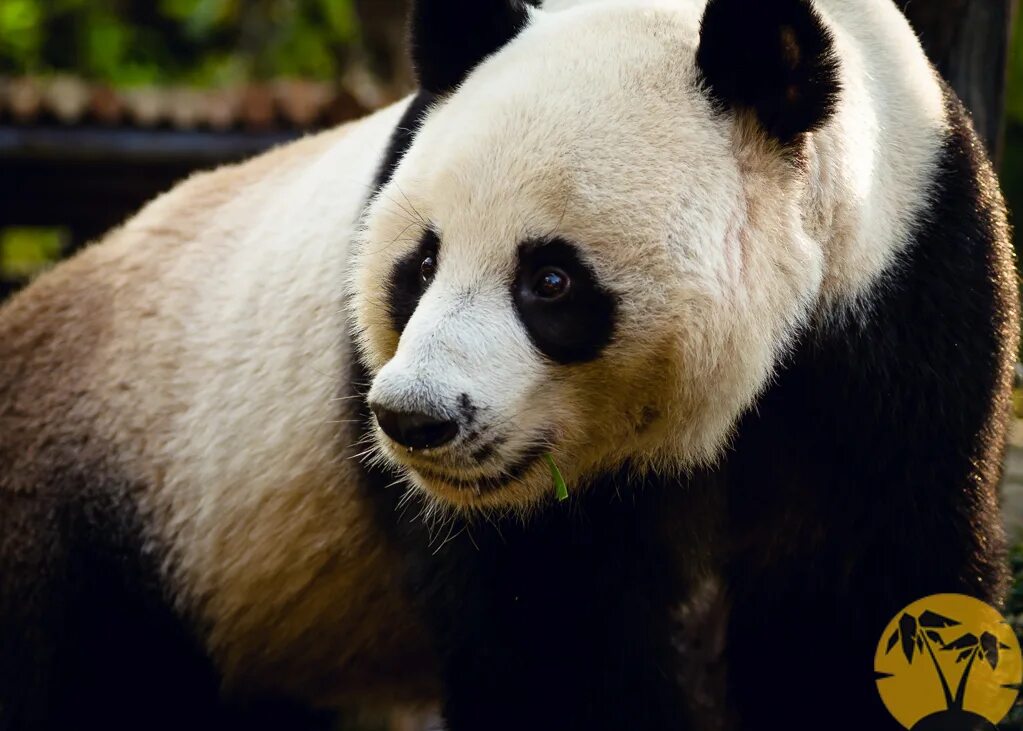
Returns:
<point x="618" y="402"/>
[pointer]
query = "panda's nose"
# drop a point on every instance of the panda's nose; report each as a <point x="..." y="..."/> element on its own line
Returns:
<point x="413" y="429"/>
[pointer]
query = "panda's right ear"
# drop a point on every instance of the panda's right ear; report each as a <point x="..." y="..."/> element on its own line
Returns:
<point x="449" y="38"/>
<point x="773" y="57"/>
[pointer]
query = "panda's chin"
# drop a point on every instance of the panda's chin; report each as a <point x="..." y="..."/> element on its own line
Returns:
<point x="480" y="484"/>
<point x="509" y="487"/>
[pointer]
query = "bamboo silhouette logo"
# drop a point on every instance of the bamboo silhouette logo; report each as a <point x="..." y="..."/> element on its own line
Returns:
<point x="948" y="662"/>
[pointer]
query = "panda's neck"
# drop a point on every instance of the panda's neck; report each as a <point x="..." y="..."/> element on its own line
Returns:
<point x="899" y="404"/>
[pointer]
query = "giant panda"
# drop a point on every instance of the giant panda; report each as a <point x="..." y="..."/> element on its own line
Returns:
<point x="739" y="268"/>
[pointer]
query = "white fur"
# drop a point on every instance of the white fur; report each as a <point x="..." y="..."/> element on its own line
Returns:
<point x="593" y="124"/>
<point x="874" y="165"/>
<point x="232" y="402"/>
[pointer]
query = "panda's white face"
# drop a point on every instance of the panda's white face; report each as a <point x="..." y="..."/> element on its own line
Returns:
<point x="579" y="256"/>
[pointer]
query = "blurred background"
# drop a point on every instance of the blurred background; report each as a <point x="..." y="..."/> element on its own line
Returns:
<point x="106" y="103"/>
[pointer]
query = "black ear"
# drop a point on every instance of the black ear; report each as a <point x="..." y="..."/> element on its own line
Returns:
<point x="774" y="57"/>
<point x="450" y="37"/>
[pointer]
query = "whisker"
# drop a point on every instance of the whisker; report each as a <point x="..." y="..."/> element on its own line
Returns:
<point x="420" y="215"/>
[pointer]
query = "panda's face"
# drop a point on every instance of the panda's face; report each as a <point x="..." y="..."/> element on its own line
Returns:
<point x="577" y="256"/>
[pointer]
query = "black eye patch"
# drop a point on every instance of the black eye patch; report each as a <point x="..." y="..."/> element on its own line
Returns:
<point x="570" y="317"/>
<point x="408" y="281"/>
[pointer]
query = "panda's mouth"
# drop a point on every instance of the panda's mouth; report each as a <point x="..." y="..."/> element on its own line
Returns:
<point x="486" y="483"/>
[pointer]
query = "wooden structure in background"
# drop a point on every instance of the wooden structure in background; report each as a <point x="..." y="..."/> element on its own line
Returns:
<point x="84" y="157"/>
<point x="90" y="179"/>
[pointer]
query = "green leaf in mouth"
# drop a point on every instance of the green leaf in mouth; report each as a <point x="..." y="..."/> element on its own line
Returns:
<point x="561" y="489"/>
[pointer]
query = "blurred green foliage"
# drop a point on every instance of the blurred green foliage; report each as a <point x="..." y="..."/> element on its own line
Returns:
<point x="197" y="42"/>
<point x="26" y="251"/>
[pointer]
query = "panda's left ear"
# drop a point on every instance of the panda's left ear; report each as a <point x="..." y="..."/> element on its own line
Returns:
<point x="449" y="38"/>
<point x="773" y="57"/>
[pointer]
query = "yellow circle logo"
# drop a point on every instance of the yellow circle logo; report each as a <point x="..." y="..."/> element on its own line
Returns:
<point x="948" y="662"/>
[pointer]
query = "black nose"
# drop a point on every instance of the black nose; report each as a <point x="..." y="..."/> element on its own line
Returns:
<point x="415" y="430"/>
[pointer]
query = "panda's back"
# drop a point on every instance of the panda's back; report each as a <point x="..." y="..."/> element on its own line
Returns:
<point x="174" y="458"/>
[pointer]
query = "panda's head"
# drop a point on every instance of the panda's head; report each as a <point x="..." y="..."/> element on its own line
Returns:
<point x="594" y="247"/>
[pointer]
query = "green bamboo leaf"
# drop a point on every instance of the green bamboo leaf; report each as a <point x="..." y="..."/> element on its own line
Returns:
<point x="560" y="488"/>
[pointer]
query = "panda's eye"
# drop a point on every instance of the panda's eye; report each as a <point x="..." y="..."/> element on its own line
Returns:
<point x="428" y="268"/>
<point x="551" y="283"/>
<point x="410" y="277"/>
<point x="566" y="311"/>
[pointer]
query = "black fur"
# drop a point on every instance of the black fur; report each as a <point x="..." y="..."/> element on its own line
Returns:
<point x="403" y="136"/>
<point x="773" y="57"/>
<point x="865" y="477"/>
<point x="406" y="285"/>
<point x="449" y="38"/>
<point x="405" y="288"/>
<point x="88" y="636"/>
<point x="567" y="622"/>
<point x="575" y="328"/>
